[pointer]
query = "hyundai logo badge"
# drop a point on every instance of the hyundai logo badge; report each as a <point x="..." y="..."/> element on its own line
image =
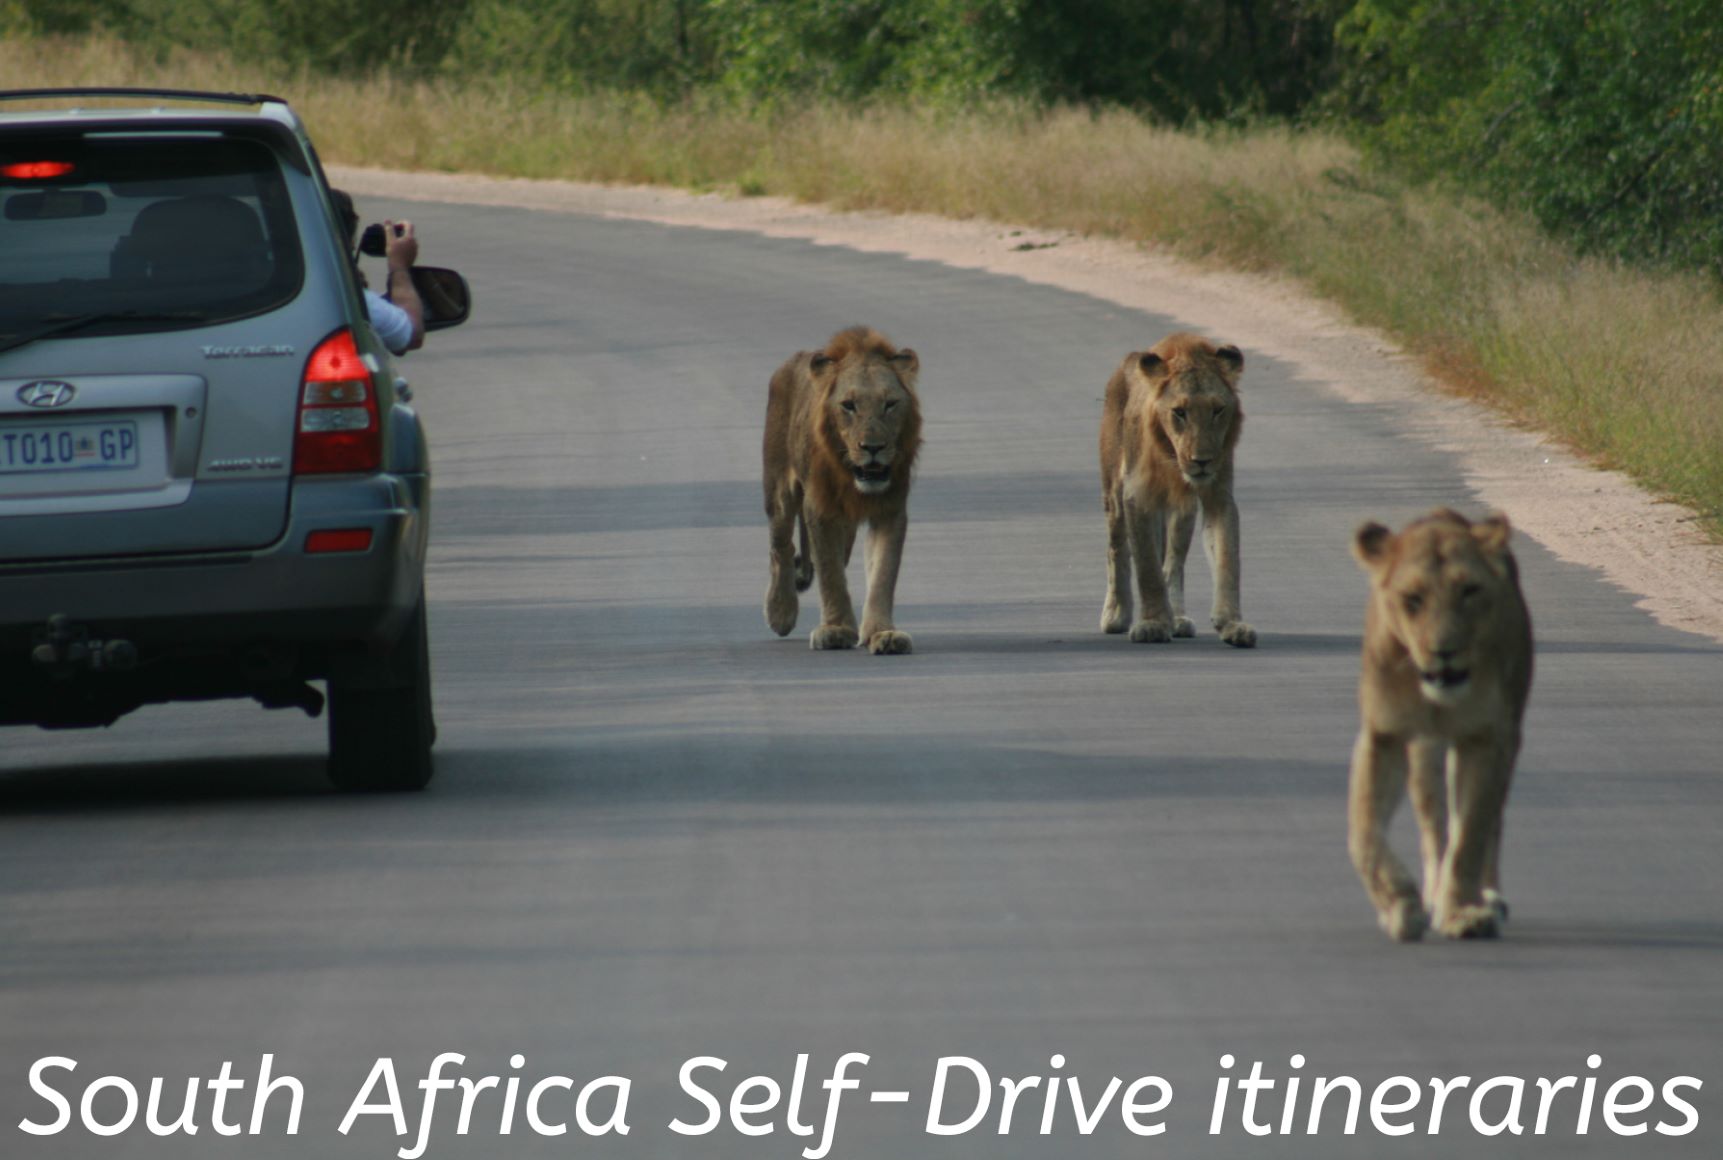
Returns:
<point x="46" y="393"/>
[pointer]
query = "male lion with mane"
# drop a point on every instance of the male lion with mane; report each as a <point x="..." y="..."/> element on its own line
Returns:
<point x="843" y="425"/>
<point x="1168" y="427"/>
<point x="1447" y="669"/>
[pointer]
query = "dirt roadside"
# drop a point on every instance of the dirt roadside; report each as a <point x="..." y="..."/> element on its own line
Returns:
<point x="1599" y="519"/>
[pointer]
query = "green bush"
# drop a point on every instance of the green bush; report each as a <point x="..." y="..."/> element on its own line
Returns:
<point x="1602" y="118"/>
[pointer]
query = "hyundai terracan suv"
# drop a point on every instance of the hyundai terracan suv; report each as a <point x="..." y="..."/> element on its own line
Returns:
<point x="211" y="484"/>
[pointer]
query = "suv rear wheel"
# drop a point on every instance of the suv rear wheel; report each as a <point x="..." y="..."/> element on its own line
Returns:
<point x="380" y="738"/>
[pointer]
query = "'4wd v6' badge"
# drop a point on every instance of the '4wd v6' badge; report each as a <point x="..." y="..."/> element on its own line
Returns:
<point x="46" y="393"/>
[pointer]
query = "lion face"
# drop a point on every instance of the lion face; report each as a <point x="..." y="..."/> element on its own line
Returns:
<point x="1438" y="587"/>
<point x="1196" y="409"/>
<point x="868" y="408"/>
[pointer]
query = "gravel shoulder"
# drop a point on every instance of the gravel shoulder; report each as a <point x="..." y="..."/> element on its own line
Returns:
<point x="1650" y="548"/>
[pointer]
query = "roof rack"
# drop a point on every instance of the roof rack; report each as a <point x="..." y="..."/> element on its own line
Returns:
<point x="169" y="94"/>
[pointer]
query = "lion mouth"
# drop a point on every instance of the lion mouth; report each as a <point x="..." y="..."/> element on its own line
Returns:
<point x="872" y="474"/>
<point x="1445" y="678"/>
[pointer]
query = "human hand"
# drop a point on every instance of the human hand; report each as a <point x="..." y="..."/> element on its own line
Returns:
<point x="401" y="244"/>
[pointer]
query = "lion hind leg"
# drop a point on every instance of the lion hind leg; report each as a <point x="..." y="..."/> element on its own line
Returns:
<point x="1116" y="608"/>
<point x="804" y="560"/>
<point x="1378" y="780"/>
<point x="781" y="606"/>
<point x="1181" y="525"/>
<point x="1429" y="791"/>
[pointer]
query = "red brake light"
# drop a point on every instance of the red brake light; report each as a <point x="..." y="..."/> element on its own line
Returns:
<point x="36" y="170"/>
<point x="339" y="430"/>
<point x="338" y="540"/>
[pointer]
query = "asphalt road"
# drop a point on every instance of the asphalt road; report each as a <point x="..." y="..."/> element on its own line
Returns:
<point x="657" y="832"/>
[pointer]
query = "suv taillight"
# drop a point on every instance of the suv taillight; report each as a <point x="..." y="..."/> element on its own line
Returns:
<point x="339" y="430"/>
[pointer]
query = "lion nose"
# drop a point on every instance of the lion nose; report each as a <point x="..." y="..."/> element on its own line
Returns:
<point x="873" y="449"/>
<point x="1199" y="464"/>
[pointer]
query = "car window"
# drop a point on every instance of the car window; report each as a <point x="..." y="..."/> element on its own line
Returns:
<point x="191" y="227"/>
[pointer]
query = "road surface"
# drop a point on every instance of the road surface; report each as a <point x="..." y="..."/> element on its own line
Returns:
<point x="658" y="833"/>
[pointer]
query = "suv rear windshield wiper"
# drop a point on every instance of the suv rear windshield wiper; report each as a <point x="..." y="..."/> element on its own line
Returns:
<point x="66" y="323"/>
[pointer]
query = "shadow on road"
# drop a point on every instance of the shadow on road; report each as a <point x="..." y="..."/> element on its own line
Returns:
<point x="160" y="784"/>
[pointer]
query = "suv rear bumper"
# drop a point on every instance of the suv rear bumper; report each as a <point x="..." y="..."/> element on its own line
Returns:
<point x="229" y="624"/>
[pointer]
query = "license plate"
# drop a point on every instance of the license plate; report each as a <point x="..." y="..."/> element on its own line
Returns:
<point x="87" y="445"/>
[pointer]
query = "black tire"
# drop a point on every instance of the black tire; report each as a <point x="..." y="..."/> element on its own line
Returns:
<point x="380" y="738"/>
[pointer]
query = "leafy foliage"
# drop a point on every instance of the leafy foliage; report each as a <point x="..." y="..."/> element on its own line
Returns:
<point x="1602" y="118"/>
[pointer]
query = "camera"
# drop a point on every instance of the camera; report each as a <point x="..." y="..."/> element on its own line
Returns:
<point x="374" y="241"/>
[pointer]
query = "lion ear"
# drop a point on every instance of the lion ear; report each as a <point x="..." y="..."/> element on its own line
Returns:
<point x="1231" y="358"/>
<point x="1370" y="545"/>
<point x="819" y="361"/>
<point x="908" y="361"/>
<point x="1151" y="365"/>
<point x="1492" y="534"/>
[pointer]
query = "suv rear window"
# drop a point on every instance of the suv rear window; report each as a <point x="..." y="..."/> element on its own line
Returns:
<point x="172" y="231"/>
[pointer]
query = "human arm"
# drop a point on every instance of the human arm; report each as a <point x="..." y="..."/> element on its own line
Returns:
<point x="402" y="252"/>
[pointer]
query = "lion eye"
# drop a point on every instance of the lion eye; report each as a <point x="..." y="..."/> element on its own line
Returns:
<point x="891" y="405"/>
<point x="1179" y="414"/>
<point x="1470" y="591"/>
<point x="1413" y="603"/>
<point x="849" y="405"/>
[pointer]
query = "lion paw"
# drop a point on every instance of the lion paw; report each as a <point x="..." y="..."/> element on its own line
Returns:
<point x="1151" y="632"/>
<point x="1115" y="617"/>
<point x="1184" y="626"/>
<point x="1405" y="921"/>
<point x="1469" y="922"/>
<point x="804" y="573"/>
<point x="1494" y="900"/>
<point x="781" y="611"/>
<point x="833" y="636"/>
<point x="890" y="642"/>
<point x="1238" y="634"/>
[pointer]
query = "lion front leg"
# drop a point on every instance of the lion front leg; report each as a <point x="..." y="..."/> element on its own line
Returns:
<point x="1378" y="780"/>
<point x="1478" y="771"/>
<point x="884" y="555"/>
<point x="1146" y="533"/>
<point x="829" y="541"/>
<point x="1181" y="524"/>
<point x="1220" y="541"/>
<point x="1116" y="608"/>
<point x="784" y="580"/>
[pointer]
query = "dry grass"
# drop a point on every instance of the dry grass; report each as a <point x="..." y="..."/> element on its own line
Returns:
<point x="1622" y="364"/>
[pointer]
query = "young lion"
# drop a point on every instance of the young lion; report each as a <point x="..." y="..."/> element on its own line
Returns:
<point x="1168" y="427"/>
<point x="1447" y="669"/>
<point x="843" y="425"/>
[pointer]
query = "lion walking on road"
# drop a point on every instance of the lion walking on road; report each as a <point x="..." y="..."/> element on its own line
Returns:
<point x="1168" y="428"/>
<point x="843" y="425"/>
<point x="1447" y="669"/>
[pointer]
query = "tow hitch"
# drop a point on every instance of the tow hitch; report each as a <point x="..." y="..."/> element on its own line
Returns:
<point x="65" y="648"/>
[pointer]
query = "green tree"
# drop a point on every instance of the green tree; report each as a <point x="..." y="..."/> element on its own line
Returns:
<point x="1602" y="119"/>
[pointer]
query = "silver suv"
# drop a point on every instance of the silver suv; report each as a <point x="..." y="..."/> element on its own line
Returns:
<point x="211" y="482"/>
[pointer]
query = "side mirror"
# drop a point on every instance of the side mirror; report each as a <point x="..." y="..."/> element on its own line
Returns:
<point x="448" y="301"/>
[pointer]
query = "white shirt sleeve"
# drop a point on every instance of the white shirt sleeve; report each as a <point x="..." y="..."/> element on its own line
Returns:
<point x="391" y="323"/>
